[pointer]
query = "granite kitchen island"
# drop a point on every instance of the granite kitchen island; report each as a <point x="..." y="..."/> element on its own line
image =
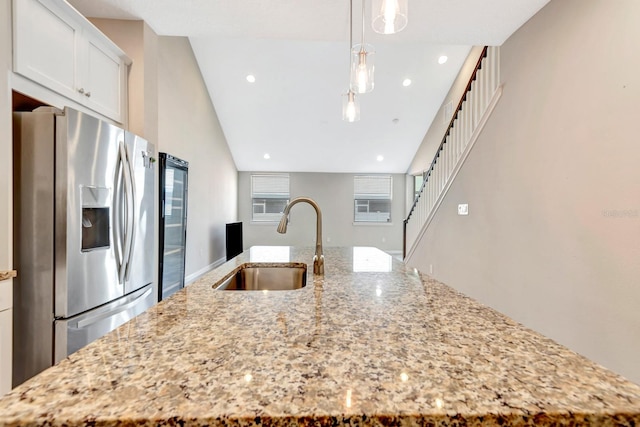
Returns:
<point x="370" y="343"/>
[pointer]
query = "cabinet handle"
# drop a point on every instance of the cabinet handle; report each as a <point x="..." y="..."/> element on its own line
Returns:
<point x="88" y="94"/>
<point x="81" y="90"/>
<point x="6" y="275"/>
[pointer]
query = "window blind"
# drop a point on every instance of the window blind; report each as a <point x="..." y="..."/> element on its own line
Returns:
<point x="270" y="186"/>
<point x="372" y="187"/>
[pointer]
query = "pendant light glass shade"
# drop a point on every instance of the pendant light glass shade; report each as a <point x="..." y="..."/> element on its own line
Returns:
<point x="350" y="107"/>
<point x="362" y="68"/>
<point x="389" y="16"/>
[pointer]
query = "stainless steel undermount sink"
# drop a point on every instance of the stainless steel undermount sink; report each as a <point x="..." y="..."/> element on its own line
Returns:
<point x="267" y="277"/>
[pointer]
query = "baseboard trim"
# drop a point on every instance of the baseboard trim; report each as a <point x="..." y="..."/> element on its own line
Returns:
<point x="198" y="274"/>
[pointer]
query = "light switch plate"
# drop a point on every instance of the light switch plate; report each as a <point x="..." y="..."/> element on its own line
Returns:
<point x="463" y="209"/>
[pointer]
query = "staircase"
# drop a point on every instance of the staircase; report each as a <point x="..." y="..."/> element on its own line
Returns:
<point x="473" y="110"/>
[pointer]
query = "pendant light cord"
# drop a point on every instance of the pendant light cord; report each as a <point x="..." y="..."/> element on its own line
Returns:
<point x="362" y="42"/>
<point x="350" y="35"/>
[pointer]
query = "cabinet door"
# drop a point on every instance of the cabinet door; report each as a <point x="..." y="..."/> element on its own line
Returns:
<point x="5" y="351"/>
<point x="102" y="80"/>
<point x="56" y="47"/>
<point x="45" y="46"/>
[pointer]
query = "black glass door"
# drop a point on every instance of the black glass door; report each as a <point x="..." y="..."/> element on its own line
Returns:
<point x="173" y="224"/>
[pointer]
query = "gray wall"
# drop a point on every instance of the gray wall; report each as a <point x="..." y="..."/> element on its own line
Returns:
<point x="553" y="186"/>
<point x="189" y="129"/>
<point x="334" y="194"/>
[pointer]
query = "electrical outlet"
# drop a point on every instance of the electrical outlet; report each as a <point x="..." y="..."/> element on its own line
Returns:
<point x="463" y="209"/>
<point x="430" y="268"/>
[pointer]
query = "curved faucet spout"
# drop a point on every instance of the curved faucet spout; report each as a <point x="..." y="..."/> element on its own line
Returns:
<point x="318" y="258"/>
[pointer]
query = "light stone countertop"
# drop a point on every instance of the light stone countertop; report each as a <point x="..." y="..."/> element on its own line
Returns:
<point x="370" y="343"/>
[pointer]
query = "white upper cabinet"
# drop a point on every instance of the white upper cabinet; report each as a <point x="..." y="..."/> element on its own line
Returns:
<point x="58" y="48"/>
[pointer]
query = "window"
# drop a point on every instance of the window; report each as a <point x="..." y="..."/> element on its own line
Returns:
<point x="417" y="184"/>
<point x="372" y="198"/>
<point x="269" y="197"/>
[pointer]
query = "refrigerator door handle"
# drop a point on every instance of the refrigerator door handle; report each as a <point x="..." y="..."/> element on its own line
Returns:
<point x="128" y="208"/>
<point x="93" y="319"/>
<point x="131" y="212"/>
<point x="118" y="214"/>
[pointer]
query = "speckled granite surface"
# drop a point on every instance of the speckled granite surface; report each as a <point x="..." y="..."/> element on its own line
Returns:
<point x="370" y="343"/>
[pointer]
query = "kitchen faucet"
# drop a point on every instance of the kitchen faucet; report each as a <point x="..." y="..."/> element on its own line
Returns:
<point x="318" y="258"/>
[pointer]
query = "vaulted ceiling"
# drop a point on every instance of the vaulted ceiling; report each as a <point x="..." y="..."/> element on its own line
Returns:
<point x="298" y="52"/>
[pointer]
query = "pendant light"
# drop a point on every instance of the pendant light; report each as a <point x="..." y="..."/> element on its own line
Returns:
<point x="362" y="66"/>
<point x="389" y="16"/>
<point x="350" y="107"/>
<point x="350" y="104"/>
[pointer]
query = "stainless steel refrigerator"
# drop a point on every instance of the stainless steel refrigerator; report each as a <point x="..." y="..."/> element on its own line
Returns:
<point x="174" y="174"/>
<point x="83" y="233"/>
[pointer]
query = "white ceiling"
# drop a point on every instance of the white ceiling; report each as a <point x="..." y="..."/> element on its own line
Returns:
<point x="298" y="52"/>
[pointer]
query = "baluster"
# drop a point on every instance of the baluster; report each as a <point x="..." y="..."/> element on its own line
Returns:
<point x="456" y="141"/>
<point x="491" y="72"/>
<point x="452" y="158"/>
<point x="466" y="126"/>
<point x="436" y="182"/>
<point x="447" y="160"/>
<point x="428" y="189"/>
<point x="443" y="172"/>
<point x="467" y="111"/>
<point x="476" y="106"/>
<point x="440" y="174"/>
<point x="493" y="69"/>
<point x="469" y="118"/>
<point x="481" y="92"/>
<point x="489" y="90"/>
<point x="437" y="170"/>
<point x="461" y="130"/>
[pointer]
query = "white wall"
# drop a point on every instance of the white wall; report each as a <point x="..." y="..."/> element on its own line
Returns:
<point x="334" y="194"/>
<point x="553" y="186"/>
<point x="6" y="204"/>
<point x="189" y="129"/>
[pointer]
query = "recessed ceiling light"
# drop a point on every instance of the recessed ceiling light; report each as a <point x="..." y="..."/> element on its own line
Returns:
<point x="406" y="82"/>
<point x="442" y="59"/>
<point x="380" y="158"/>
<point x="251" y="78"/>
<point x="267" y="156"/>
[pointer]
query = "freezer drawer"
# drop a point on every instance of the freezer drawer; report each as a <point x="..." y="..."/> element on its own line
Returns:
<point x="76" y="332"/>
